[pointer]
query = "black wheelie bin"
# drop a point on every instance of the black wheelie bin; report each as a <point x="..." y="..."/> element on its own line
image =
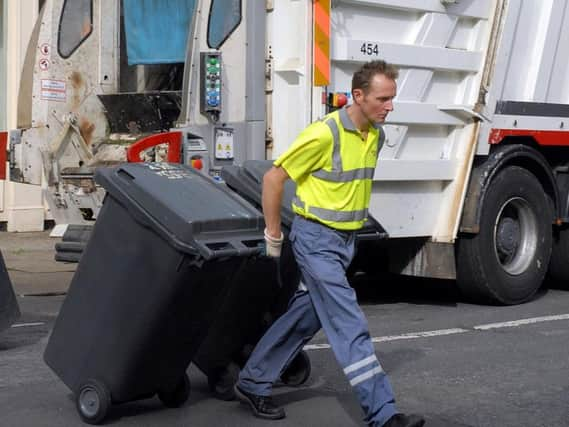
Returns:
<point x="158" y="264"/>
<point x="9" y="310"/>
<point x="260" y="294"/>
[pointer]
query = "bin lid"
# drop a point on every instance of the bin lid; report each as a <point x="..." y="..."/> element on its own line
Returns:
<point x="247" y="180"/>
<point x="191" y="210"/>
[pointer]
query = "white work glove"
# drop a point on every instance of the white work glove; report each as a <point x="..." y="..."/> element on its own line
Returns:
<point x="273" y="245"/>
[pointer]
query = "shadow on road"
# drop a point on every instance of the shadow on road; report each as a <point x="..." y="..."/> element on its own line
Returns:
<point x="388" y="288"/>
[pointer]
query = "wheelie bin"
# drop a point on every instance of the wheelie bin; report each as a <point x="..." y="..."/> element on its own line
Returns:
<point x="160" y="259"/>
<point x="261" y="293"/>
<point x="9" y="310"/>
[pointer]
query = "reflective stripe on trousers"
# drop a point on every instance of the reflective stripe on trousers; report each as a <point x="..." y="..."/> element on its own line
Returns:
<point x="323" y="256"/>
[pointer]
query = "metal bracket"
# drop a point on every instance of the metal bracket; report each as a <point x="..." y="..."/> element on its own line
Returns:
<point x="464" y="112"/>
<point x="70" y="134"/>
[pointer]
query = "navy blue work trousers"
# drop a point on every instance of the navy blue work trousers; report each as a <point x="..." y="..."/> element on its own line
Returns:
<point x="329" y="302"/>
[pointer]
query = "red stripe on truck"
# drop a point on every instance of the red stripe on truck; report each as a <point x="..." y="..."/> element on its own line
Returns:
<point x="542" y="137"/>
<point x="3" y="154"/>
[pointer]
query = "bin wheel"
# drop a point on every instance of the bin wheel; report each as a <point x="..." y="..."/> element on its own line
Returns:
<point x="221" y="384"/>
<point x="177" y="397"/>
<point x="93" y="402"/>
<point x="298" y="371"/>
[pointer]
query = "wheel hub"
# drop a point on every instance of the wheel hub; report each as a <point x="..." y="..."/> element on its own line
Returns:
<point x="508" y="236"/>
<point x="89" y="401"/>
<point x="515" y="236"/>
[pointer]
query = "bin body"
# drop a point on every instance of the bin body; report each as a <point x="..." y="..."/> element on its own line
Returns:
<point x="151" y="279"/>
<point x="261" y="292"/>
<point x="9" y="310"/>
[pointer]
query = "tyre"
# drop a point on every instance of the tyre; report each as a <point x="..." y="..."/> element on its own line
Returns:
<point x="93" y="402"/>
<point x="505" y="263"/>
<point x="177" y="397"/>
<point x="298" y="371"/>
<point x="559" y="264"/>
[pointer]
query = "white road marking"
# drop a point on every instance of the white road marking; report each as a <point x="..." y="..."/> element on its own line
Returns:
<point x="413" y="335"/>
<point x="520" y="322"/>
<point x="26" y="325"/>
<point x="454" y="331"/>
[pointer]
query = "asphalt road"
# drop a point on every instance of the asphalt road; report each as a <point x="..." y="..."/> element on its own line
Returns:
<point x="456" y="363"/>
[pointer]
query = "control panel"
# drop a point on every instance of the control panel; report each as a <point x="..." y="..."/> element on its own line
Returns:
<point x="195" y="153"/>
<point x="210" y="87"/>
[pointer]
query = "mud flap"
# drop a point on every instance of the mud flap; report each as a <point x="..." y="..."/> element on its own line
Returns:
<point x="9" y="310"/>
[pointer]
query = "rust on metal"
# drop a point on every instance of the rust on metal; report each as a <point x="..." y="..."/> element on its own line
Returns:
<point x="77" y="83"/>
<point x="86" y="128"/>
<point x="76" y="79"/>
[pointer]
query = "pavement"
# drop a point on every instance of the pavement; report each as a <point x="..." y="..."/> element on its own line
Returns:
<point x="29" y="258"/>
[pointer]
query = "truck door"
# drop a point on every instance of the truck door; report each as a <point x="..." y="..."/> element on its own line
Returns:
<point x="71" y="58"/>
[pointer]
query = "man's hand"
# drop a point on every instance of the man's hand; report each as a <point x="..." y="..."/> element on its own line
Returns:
<point x="273" y="245"/>
<point x="273" y="185"/>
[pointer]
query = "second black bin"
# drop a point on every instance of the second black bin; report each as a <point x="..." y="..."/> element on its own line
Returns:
<point x="260" y="294"/>
<point x="166" y="246"/>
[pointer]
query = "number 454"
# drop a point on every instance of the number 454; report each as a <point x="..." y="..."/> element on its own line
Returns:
<point x="371" y="49"/>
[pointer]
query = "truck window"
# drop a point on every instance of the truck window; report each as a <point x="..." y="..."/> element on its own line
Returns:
<point x="224" y="18"/>
<point x="75" y="25"/>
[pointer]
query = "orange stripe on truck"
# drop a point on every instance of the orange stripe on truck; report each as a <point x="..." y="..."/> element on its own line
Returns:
<point x="321" y="47"/>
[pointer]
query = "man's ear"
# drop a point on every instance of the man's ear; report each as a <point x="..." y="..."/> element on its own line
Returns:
<point x="358" y="95"/>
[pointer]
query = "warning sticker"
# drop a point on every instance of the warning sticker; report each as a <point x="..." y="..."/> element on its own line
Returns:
<point x="44" y="64"/>
<point x="53" y="96"/>
<point x="53" y="90"/>
<point x="223" y="143"/>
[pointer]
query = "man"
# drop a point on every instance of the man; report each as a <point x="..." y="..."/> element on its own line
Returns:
<point x="332" y="163"/>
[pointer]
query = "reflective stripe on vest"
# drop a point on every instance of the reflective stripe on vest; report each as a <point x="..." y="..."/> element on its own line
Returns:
<point x="332" y="215"/>
<point x="337" y="174"/>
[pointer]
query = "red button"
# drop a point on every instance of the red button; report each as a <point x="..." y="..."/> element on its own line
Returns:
<point x="197" y="164"/>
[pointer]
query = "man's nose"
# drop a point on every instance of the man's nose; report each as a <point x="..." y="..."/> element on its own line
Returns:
<point x="389" y="105"/>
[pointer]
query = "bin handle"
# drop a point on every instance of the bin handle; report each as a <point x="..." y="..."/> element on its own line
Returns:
<point x="230" y="247"/>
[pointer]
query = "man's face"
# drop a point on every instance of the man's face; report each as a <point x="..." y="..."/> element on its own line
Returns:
<point x="376" y="104"/>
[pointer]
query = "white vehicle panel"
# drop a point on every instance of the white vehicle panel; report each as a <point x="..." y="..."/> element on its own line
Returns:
<point x="440" y="50"/>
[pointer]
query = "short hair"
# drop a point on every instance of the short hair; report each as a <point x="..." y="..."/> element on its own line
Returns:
<point x="364" y="75"/>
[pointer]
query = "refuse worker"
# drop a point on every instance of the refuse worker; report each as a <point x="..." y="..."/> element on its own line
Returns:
<point x="332" y="162"/>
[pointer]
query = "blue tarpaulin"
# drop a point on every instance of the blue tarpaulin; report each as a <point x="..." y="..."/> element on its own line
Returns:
<point x="157" y="30"/>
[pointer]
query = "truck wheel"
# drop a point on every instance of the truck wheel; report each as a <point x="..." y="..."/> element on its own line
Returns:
<point x="177" y="397"/>
<point x="505" y="263"/>
<point x="559" y="264"/>
<point x="93" y="402"/>
<point x="298" y="371"/>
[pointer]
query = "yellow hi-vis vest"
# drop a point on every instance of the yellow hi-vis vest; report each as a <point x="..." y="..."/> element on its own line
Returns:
<point x="333" y="167"/>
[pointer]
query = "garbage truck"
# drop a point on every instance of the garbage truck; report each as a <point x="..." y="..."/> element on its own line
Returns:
<point x="471" y="184"/>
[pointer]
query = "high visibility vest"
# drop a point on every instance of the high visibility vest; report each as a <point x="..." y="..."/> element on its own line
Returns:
<point x="337" y="194"/>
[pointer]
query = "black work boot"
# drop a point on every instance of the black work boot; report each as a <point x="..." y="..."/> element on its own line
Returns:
<point x="402" y="420"/>
<point x="262" y="406"/>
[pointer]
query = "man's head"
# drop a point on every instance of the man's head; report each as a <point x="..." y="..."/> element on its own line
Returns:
<point x="373" y="90"/>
